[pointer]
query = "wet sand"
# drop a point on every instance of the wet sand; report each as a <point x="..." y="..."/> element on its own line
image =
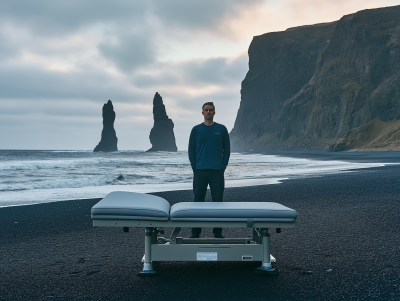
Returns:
<point x="348" y="223"/>
<point x="354" y="157"/>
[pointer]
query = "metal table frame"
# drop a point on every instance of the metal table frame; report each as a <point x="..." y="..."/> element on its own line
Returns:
<point x="256" y="248"/>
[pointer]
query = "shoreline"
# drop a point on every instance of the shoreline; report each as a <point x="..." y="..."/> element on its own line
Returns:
<point x="37" y="196"/>
<point x="347" y="222"/>
<point x="352" y="157"/>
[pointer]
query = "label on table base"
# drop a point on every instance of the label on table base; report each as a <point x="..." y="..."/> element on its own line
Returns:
<point x="207" y="256"/>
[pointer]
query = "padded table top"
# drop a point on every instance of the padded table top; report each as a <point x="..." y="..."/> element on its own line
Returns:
<point x="232" y="211"/>
<point x="120" y="205"/>
<point x="131" y="205"/>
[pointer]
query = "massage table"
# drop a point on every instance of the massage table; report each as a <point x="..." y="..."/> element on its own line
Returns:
<point x="137" y="210"/>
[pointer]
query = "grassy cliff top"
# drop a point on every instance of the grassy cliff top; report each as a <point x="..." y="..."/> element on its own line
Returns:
<point x="376" y="135"/>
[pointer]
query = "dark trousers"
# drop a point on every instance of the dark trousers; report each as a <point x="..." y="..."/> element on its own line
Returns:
<point x="201" y="179"/>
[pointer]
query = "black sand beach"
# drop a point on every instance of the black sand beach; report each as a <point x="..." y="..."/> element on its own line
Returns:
<point x="349" y="223"/>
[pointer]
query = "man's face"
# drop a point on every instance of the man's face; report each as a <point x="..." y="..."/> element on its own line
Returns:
<point x="208" y="112"/>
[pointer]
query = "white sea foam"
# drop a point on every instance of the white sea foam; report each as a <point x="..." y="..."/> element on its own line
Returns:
<point x="75" y="163"/>
<point x="51" y="164"/>
<point x="85" y="181"/>
<point x="70" y="151"/>
<point x="11" y="198"/>
<point x="47" y="164"/>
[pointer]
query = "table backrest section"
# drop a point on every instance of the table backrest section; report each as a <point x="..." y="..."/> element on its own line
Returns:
<point x="122" y="205"/>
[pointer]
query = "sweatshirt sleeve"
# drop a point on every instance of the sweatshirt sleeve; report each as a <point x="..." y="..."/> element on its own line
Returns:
<point x="227" y="149"/>
<point x="192" y="149"/>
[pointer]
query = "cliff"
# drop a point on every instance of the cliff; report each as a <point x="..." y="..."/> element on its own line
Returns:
<point x="108" y="142"/>
<point x="308" y="86"/>
<point x="162" y="135"/>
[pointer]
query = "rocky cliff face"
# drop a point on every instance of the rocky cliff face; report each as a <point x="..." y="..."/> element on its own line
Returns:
<point x="162" y="136"/>
<point x="108" y="142"/>
<point x="308" y="86"/>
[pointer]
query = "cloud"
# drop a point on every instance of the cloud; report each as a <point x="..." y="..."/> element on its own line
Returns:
<point x="201" y="15"/>
<point x="72" y="124"/>
<point x="27" y="82"/>
<point x="60" y="61"/>
<point x="32" y="82"/>
<point x="218" y="70"/>
<point x="55" y="18"/>
<point x="61" y="17"/>
<point x="281" y="15"/>
<point x="6" y="50"/>
<point x="195" y="73"/>
<point x="128" y="34"/>
<point x="45" y="102"/>
<point x="130" y="51"/>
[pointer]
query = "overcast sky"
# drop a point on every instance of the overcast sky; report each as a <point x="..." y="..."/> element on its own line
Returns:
<point x="60" y="61"/>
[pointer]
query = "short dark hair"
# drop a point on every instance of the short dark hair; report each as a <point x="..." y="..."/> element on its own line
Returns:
<point x="208" y="104"/>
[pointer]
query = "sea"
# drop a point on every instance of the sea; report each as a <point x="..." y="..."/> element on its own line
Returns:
<point x="39" y="176"/>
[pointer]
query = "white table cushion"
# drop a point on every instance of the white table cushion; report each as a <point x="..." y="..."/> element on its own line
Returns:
<point x="232" y="211"/>
<point x="131" y="205"/>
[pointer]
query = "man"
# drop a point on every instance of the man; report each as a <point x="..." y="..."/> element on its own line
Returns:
<point x="209" y="151"/>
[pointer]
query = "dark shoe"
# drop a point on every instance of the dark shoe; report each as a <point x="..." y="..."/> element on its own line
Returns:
<point x="194" y="235"/>
<point x="218" y="235"/>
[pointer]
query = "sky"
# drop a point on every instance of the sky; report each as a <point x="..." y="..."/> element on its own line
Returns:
<point x="60" y="61"/>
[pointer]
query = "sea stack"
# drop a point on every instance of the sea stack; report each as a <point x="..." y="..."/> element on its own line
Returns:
<point x="108" y="142"/>
<point x="162" y="136"/>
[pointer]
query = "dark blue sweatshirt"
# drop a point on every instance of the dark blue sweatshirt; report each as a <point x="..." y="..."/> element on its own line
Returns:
<point x="209" y="147"/>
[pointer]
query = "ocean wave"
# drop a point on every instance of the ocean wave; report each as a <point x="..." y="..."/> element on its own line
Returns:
<point x="68" y="151"/>
<point x="45" y="176"/>
<point x="48" y="164"/>
<point x="95" y="180"/>
<point x="74" y="163"/>
<point x="76" y="182"/>
<point x="90" y="151"/>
